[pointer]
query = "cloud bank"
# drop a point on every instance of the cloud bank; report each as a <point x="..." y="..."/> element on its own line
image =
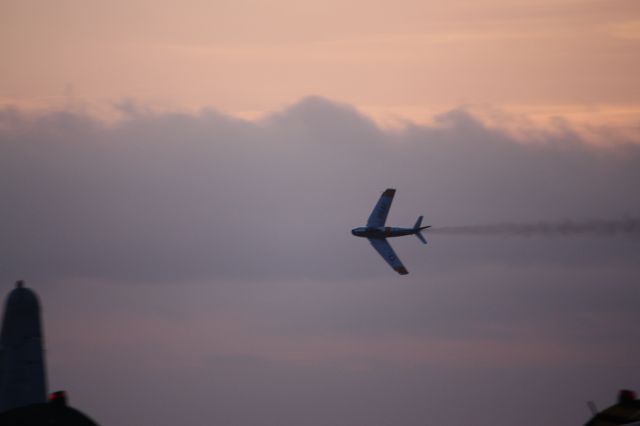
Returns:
<point x="161" y="197"/>
<point x="213" y="255"/>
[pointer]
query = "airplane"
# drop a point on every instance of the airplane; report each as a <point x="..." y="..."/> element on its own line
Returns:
<point x="377" y="233"/>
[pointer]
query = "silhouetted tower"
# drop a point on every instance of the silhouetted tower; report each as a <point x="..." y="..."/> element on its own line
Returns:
<point x="22" y="371"/>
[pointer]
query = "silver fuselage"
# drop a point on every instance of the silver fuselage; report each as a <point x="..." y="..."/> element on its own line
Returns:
<point x="384" y="231"/>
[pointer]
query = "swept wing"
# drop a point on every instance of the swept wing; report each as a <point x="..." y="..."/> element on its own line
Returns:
<point x="384" y="248"/>
<point x="380" y="212"/>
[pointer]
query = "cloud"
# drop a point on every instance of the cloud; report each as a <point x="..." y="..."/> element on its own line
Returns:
<point x="164" y="197"/>
<point x="213" y="255"/>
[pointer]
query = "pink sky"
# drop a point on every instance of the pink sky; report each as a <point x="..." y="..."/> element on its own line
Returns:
<point x="395" y="60"/>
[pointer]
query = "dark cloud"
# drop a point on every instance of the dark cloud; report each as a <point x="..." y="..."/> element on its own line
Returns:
<point x="213" y="255"/>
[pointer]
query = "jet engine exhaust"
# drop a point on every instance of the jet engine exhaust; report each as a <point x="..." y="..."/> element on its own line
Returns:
<point x="567" y="228"/>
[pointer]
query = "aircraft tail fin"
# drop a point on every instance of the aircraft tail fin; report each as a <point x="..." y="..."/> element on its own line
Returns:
<point x="418" y="227"/>
<point x="418" y="223"/>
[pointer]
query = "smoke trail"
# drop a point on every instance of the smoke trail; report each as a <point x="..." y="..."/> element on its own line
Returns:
<point x="629" y="227"/>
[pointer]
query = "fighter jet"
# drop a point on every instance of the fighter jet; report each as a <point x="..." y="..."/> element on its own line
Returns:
<point x="377" y="233"/>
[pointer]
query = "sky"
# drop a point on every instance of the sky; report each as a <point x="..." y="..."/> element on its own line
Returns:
<point x="178" y="184"/>
<point x="396" y="61"/>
